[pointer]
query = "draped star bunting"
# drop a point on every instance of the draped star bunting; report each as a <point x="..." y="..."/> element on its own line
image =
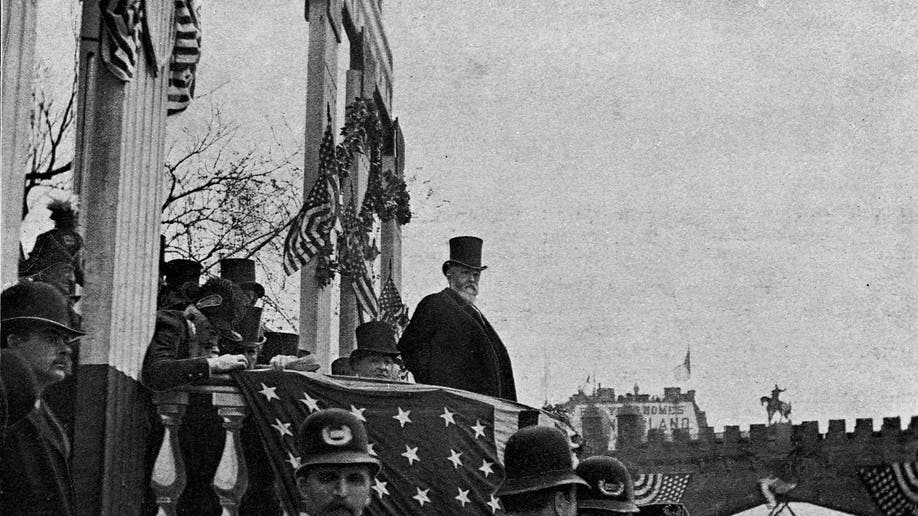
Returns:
<point x="463" y="496"/>
<point x="479" y="429"/>
<point x="294" y="461"/>
<point x="454" y="458"/>
<point x="310" y="402"/>
<point x="494" y="504"/>
<point x="283" y="428"/>
<point x="486" y="468"/>
<point x="447" y="417"/>
<point x="380" y="488"/>
<point x="269" y="392"/>
<point x="402" y="417"/>
<point x="411" y="454"/>
<point x="421" y="497"/>
<point x="358" y="413"/>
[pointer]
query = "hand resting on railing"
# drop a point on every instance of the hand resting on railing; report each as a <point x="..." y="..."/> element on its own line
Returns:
<point x="226" y="363"/>
<point x="292" y="363"/>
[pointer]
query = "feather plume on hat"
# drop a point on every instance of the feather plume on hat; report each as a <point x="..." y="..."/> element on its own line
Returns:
<point x="65" y="208"/>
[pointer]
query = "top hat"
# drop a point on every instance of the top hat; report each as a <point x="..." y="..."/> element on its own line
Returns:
<point x="375" y="337"/>
<point x="221" y="301"/>
<point x="341" y="366"/>
<point x="280" y="343"/>
<point x="181" y="271"/>
<point x="242" y="272"/>
<point x="250" y="327"/>
<point x="36" y="302"/>
<point x="333" y="436"/>
<point x="610" y="485"/>
<point x="465" y="251"/>
<point x="537" y="457"/>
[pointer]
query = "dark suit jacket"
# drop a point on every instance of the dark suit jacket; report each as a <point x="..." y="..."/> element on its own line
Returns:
<point x="448" y="342"/>
<point x="35" y="475"/>
<point x="168" y="361"/>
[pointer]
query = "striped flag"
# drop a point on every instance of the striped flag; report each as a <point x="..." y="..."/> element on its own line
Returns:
<point x="354" y="266"/>
<point x="442" y="449"/>
<point x="311" y="229"/>
<point x="894" y="487"/>
<point x="391" y="308"/>
<point x="121" y="26"/>
<point x="185" y="56"/>
<point x="657" y="488"/>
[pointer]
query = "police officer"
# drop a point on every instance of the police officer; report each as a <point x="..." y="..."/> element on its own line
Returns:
<point x="539" y="474"/>
<point x="610" y="490"/>
<point x="337" y="471"/>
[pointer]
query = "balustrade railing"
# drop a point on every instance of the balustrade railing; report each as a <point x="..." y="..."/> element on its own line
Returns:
<point x="169" y="475"/>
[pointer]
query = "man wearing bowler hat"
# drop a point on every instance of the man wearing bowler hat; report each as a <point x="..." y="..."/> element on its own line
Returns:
<point x="610" y="490"/>
<point x="449" y="341"/>
<point x="539" y="477"/>
<point x="36" y="338"/>
<point x="337" y="471"/>
<point x="375" y="355"/>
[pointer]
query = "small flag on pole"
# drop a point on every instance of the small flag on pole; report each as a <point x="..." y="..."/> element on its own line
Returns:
<point x="391" y="308"/>
<point x="683" y="371"/>
<point x="354" y="266"/>
<point x="185" y="56"/>
<point x="311" y="229"/>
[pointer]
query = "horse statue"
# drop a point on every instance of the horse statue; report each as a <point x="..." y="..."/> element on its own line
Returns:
<point x="774" y="405"/>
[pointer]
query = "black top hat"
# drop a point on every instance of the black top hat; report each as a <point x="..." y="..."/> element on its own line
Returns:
<point x="250" y="327"/>
<point x="537" y="457"/>
<point x="610" y="485"/>
<point x="181" y="271"/>
<point x="36" y="302"/>
<point x="465" y="251"/>
<point x="280" y="343"/>
<point x="222" y="302"/>
<point x="333" y="436"/>
<point x="375" y="337"/>
<point x="242" y="272"/>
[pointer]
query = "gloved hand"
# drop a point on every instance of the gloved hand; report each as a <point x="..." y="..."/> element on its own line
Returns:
<point x="292" y="363"/>
<point x="227" y="363"/>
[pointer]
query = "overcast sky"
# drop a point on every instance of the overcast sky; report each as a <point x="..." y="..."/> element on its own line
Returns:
<point x="740" y="177"/>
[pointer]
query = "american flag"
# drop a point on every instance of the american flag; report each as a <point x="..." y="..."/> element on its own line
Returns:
<point x="391" y="308"/>
<point x="441" y="448"/>
<point x="185" y="56"/>
<point x="894" y="487"/>
<point x="121" y="25"/>
<point x="311" y="229"/>
<point x="354" y="265"/>
<point x="654" y="488"/>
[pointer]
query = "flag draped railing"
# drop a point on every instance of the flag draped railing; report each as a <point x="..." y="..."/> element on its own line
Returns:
<point x="441" y="448"/>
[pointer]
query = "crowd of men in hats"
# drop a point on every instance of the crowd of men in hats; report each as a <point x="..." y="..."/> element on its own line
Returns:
<point x="215" y="327"/>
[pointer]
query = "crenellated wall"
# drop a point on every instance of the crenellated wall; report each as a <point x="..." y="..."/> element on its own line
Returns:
<point x="726" y="468"/>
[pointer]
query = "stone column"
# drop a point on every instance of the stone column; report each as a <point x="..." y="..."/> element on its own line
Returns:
<point x="321" y="96"/>
<point x="18" y="31"/>
<point x="118" y="163"/>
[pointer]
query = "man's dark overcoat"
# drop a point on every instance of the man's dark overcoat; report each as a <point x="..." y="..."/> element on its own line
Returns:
<point x="168" y="362"/>
<point x="35" y="476"/>
<point x="449" y="342"/>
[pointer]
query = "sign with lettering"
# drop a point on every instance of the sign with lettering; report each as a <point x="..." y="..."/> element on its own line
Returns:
<point x="597" y="420"/>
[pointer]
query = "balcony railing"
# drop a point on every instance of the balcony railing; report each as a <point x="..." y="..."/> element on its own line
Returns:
<point x="169" y="475"/>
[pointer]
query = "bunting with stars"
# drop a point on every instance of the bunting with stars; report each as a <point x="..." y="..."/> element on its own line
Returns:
<point x="656" y="488"/>
<point x="441" y="448"/>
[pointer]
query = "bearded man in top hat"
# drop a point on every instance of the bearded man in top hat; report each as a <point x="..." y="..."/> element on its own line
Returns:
<point x="35" y="475"/>
<point x="449" y="341"/>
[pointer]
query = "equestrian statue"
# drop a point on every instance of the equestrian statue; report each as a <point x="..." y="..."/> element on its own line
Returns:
<point x="774" y="405"/>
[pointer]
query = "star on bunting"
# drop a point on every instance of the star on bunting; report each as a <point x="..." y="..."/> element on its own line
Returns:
<point x="294" y="461"/>
<point x="310" y="402"/>
<point x="282" y="428"/>
<point x="454" y="458"/>
<point x="269" y="392"/>
<point x="486" y="468"/>
<point x="380" y="488"/>
<point x="370" y="449"/>
<point x="402" y="417"/>
<point x="463" y="496"/>
<point x="479" y="429"/>
<point x="447" y="417"/>
<point x="358" y="413"/>
<point x="411" y="454"/>
<point x="494" y="504"/>
<point x="421" y="497"/>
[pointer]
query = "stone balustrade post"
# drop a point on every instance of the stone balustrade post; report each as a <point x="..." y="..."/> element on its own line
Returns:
<point x="169" y="477"/>
<point x="231" y="479"/>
